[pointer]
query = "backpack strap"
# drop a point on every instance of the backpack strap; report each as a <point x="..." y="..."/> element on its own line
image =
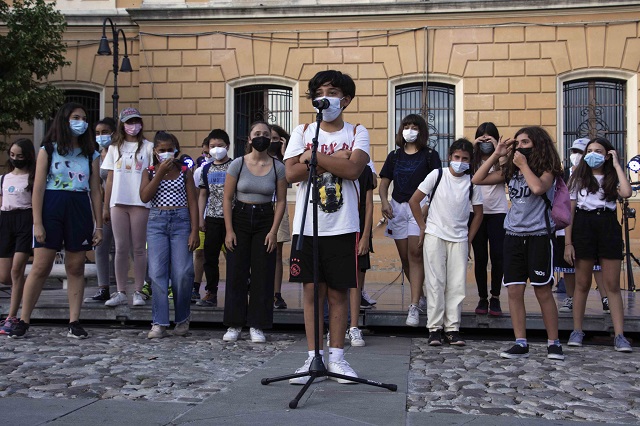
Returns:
<point x="1" y="183"/>
<point x="205" y="172"/>
<point x="547" y="211"/>
<point x="433" y="191"/>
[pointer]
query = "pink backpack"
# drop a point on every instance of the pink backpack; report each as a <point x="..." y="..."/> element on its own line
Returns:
<point x="561" y="208"/>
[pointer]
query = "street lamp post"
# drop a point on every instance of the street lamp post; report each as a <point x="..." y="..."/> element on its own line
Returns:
<point x="105" y="50"/>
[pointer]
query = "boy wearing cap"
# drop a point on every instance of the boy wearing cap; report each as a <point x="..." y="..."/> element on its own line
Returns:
<point x="128" y="157"/>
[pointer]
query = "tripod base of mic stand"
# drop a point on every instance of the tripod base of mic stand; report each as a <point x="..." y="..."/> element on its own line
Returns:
<point x="318" y="369"/>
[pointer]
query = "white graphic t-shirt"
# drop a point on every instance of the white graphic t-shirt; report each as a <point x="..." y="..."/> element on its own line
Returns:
<point x="127" y="169"/>
<point x="338" y="207"/>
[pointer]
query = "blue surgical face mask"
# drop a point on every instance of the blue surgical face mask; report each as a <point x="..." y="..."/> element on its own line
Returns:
<point x="78" y="127"/>
<point x="104" y="141"/>
<point x="594" y="160"/>
<point x="459" y="166"/>
<point x="334" y="110"/>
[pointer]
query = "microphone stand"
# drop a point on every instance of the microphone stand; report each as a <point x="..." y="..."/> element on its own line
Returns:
<point x="629" y="213"/>
<point x="317" y="367"/>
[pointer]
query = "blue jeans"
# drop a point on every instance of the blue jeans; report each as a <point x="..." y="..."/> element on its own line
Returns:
<point x="169" y="257"/>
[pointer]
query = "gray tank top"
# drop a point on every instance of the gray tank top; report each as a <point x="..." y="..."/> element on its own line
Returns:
<point x="255" y="189"/>
<point x="527" y="213"/>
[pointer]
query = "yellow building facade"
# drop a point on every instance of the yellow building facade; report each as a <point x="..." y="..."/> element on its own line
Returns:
<point x="569" y="66"/>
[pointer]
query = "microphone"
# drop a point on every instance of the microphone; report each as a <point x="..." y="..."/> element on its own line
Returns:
<point x="321" y="104"/>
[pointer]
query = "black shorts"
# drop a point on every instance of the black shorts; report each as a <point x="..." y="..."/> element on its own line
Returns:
<point x="364" y="262"/>
<point x="338" y="265"/>
<point x="68" y="221"/>
<point x="16" y="232"/>
<point x="597" y="234"/>
<point x="528" y="258"/>
<point x="559" y="264"/>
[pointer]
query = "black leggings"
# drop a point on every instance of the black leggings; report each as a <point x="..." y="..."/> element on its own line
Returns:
<point x="491" y="231"/>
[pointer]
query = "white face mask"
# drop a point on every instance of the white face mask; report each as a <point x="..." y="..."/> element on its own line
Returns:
<point x="218" y="152"/>
<point x="410" y="135"/>
<point x="163" y="156"/>
<point x="333" y="111"/>
<point x="459" y="166"/>
<point x="575" y="158"/>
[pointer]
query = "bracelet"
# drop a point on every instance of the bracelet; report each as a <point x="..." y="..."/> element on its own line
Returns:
<point x="98" y="229"/>
<point x="567" y="245"/>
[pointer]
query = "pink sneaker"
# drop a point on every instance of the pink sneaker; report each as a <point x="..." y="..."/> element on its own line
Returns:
<point x="8" y="324"/>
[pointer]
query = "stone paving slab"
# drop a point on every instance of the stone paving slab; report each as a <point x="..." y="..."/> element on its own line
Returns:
<point x="118" y="376"/>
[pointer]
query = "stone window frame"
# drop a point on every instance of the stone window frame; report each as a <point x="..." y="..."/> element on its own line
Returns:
<point x="631" y="80"/>
<point x="229" y="118"/>
<point x="39" y="125"/>
<point x="456" y="82"/>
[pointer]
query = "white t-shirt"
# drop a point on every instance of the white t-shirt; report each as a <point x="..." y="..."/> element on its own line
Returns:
<point x="449" y="210"/>
<point x="127" y="169"/>
<point x="338" y="207"/>
<point x="494" y="198"/>
<point x="588" y="201"/>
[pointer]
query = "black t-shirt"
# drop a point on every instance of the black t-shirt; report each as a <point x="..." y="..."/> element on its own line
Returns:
<point x="407" y="171"/>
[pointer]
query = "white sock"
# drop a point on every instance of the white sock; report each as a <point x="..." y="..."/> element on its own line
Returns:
<point x="336" y="354"/>
<point x="313" y="353"/>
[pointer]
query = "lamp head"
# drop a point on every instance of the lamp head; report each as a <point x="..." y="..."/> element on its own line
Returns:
<point x="126" y="65"/>
<point x="634" y="164"/>
<point x="104" y="48"/>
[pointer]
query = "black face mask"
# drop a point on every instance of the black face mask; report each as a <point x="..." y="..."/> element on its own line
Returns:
<point x="18" y="164"/>
<point x="526" y="152"/>
<point x="260" y="143"/>
<point x="275" y="148"/>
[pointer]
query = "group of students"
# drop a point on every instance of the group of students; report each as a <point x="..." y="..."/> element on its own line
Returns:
<point x="150" y="207"/>
<point x="442" y="210"/>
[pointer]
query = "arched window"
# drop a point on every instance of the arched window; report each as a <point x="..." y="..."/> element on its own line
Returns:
<point x="260" y="102"/>
<point x="436" y="105"/>
<point x="90" y="100"/>
<point x="595" y="107"/>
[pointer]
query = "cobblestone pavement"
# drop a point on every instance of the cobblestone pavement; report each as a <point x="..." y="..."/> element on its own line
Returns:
<point x="594" y="383"/>
<point x="124" y="364"/>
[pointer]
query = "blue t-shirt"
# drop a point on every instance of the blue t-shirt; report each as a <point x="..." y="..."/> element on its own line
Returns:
<point x="407" y="171"/>
<point x="70" y="172"/>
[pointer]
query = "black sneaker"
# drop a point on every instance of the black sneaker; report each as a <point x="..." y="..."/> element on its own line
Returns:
<point x="364" y="303"/>
<point x="278" y="301"/>
<point x="19" y="330"/>
<point x="76" y="331"/>
<point x="494" y="307"/>
<point x="435" y="338"/>
<point x="516" y="351"/>
<point x="605" y="305"/>
<point x="483" y="307"/>
<point x="101" y="296"/>
<point x="555" y="352"/>
<point x="453" y="338"/>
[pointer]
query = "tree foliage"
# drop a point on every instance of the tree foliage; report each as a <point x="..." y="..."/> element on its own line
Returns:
<point x="31" y="48"/>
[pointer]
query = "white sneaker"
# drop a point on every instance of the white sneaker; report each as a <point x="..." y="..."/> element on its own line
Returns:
<point x="355" y="335"/>
<point x="368" y="298"/>
<point x="304" y="379"/>
<point x="232" y="334"/>
<point x="341" y="367"/>
<point x="117" y="298"/>
<point x="139" y="299"/>
<point x="157" y="332"/>
<point x="422" y="303"/>
<point x="413" y="319"/>
<point x="257" y="336"/>
<point x="181" y="329"/>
